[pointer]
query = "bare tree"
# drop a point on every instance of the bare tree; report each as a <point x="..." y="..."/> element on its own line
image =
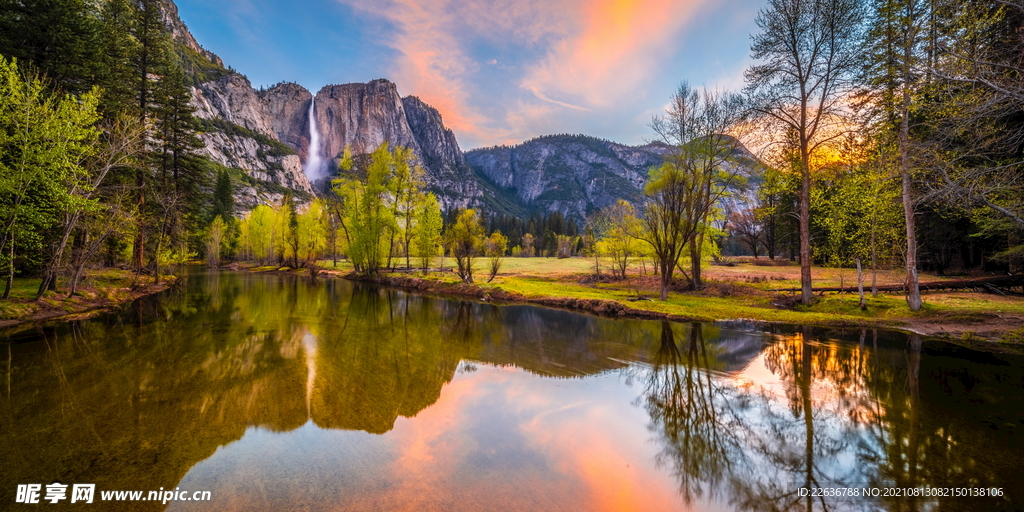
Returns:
<point x="685" y="190"/>
<point x="808" y="52"/>
<point x="746" y="225"/>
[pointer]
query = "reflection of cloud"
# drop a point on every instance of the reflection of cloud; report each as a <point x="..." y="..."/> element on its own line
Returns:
<point x="498" y="431"/>
<point x="568" y="55"/>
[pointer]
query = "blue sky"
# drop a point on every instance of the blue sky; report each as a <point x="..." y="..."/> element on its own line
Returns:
<point x="499" y="71"/>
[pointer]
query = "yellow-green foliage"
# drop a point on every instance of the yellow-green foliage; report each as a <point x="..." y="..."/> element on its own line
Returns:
<point x="310" y="232"/>
<point x="1015" y="337"/>
<point x="260" y="231"/>
<point x="495" y="247"/>
<point x="465" y="239"/>
<point x="428" y="230"/>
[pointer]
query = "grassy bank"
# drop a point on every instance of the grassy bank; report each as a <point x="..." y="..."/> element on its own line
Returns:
<point x="742" y="290"/>
<point x="99" y="290"/>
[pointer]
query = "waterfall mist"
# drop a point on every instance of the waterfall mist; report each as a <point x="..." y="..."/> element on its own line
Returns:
<point x="315" y="167"/>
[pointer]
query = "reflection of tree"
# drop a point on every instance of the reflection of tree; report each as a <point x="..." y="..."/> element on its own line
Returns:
<point x="143" y="401"/>
<point x="801" y="443"/>
<point x="689" y="411"/>
<point x="387" y="357"/>
<point x="938" y="427"/>
<point x="146" y="395"/>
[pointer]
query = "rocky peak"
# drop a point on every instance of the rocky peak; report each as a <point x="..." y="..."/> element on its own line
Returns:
<point x="233" y="99"/>
<point x="437" y="142"/>
<point x="452" y="180"/>
<point x="572" y="174"/>
<point x="362" y="116"/>
<point x="180" y="32"/>
<point x="288" y="107"/>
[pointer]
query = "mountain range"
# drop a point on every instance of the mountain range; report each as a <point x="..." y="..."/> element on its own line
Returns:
<point x="264" y="137"/>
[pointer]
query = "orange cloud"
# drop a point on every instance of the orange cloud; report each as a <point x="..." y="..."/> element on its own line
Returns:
<point x="621" y="45"/>
<point x="590" y="55"/>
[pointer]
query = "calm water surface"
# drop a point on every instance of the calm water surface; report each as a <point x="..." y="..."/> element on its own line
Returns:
<point x="277" y="393"/>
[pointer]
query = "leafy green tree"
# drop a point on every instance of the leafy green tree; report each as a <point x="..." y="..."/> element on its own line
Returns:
<point x="180" y="176"/>
<point x="697" y="174"/>
<point x="899" y="33"/>
<point x="119" y="144"/>
<point x="311" y="235"/>
<point x="406" y="189"/>
<point x="260" y="234"/>
<point x="44" y="139"/>
<point x="58" y="38"/>
<point x="428" y="230"/>
<point x="150" y="60"/>
<point x="528" y="245"/>
<point x="223" y="196"/>
<point x="618" y="235"/>
<point x="288" y="219"/>
<point x="214" y="240"/>
<point x="776" y="210"/>
<point x="663" y="220"/>
<point x="495" y="247"/>
<point x="118" y="49"/>
<point x="369" y="218"/>
<point x="464" y="240"/>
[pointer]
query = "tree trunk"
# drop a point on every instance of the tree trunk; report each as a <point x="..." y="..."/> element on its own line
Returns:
<point x="874" y="264"/>
<point x="666" y="278"/>
<point x="10" y="271"/>
<point x="50" y="275"/>
<point x="805" y="232"/>
<point x="860" y="286"/>
<point x="913" y="291"/>
<point x="695" y="278"/>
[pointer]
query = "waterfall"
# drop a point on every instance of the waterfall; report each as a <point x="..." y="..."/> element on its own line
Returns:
<point x="314" y="167"/>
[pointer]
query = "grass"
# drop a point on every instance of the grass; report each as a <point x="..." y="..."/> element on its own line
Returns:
<point x="1014" y="337"/>
<point x="744" y="290"/>
<point x="693" y="305"/>
<point x="98" y="287"/>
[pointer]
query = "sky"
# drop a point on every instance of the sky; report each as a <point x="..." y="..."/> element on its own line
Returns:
<point x="498" y="71"/>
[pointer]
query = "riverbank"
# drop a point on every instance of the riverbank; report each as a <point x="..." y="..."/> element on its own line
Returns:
<point x="101" y="290"/>
<point x="740" y="291"/>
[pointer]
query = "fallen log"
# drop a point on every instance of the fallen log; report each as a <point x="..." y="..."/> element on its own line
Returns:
<point x="985" y="284"/>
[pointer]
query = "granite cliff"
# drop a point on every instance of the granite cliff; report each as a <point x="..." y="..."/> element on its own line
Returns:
<point x="266" y="134"/>
<point x="363" y="116"/>
<point x="577" y="174"/>
<point x="573" y="174"/>
<point x="180" y="33"/>
<point x="239" y="133"/>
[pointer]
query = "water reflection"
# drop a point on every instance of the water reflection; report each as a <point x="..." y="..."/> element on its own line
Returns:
<point x="281" y="393"/>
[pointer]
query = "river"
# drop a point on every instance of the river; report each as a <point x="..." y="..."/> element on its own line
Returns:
<point x="280" y="393"/>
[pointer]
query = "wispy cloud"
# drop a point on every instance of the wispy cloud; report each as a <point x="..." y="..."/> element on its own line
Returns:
<point x="561" y="59"/>
<point x="620" y="45"/>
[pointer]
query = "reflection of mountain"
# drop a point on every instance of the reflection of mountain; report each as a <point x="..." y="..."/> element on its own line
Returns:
<point x="146" y="395"/>
<point x="135" y="401"/>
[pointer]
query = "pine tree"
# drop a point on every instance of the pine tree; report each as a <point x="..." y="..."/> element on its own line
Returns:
<point x="223" y="196"/>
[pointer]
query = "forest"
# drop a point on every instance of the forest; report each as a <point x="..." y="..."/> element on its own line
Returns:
<point x="889" y="135"/>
